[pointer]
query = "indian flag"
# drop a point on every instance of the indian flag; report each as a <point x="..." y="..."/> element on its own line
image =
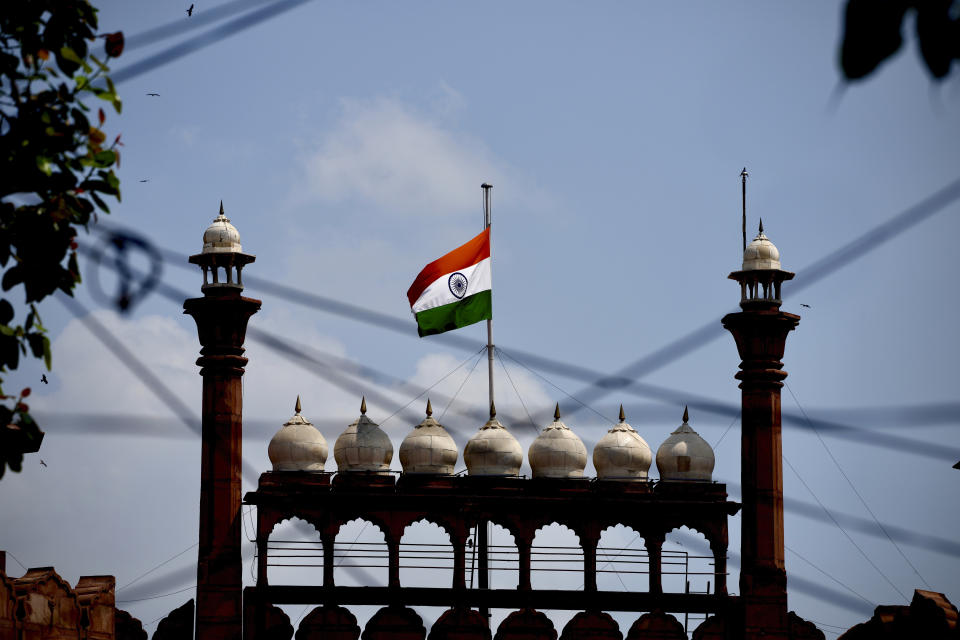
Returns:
<point x="454" y="290"/>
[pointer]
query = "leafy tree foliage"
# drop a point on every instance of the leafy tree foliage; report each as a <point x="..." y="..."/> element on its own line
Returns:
<point x="57" y="170"/>
<point x="873" y="33"/>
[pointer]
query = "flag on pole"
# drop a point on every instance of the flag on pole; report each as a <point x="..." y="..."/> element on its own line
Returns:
<point x="454" y="291"/>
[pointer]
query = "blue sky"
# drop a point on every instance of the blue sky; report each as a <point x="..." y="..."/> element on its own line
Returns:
<point x="348" y="142"/>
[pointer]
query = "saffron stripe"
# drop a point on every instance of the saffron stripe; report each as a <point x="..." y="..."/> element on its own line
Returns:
<point x="453" y="316"/>
<point x="462" y="257"/>
<point x="439" y="292"/>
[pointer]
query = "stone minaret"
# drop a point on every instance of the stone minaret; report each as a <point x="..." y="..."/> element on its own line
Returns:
<point x="221" y="316"/>
<point x="760" y="331"/>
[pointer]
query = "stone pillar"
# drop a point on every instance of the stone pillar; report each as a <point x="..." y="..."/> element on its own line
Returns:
<point x="589" y="545"/>
<point x="524" y="568"/>
<point x="760" y="331"/>
<point x="654" y="544"/>
<point x="221" y="317"/>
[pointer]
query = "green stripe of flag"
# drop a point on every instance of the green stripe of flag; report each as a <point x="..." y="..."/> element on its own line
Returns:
<point x="458" y="314"/>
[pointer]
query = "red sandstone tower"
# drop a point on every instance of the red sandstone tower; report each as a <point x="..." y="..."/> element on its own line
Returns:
<point x="760" y="331"/>
<point x="221" y="316"/>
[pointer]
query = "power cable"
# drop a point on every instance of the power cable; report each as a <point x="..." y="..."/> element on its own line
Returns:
<point x="725" y="431"/>
<point x="845" y="586"/>
<point x="844" y="531"/>
<point x="700" y="403"/>
<point x="462" y="382"/>
<point x="148" y="572"/>
<point x="854" y="489"/>
<point x="17" y="561"/>
<point x="150" y="381"/>
<point x="574" y="398"/>
<point x="162" y="595"/>
<point x="204" y="40"/>
<point x="427" y="390"/>
<point x="181" y="25"/>
<point x="808" y="276"/>
<point x="517" y="391"/>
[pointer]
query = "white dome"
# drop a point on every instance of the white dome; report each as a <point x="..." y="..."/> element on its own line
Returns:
<point x="685" y="455"/>
<point x="557" y="452"/>
<point x="298" y="446"/>
<point x="493" y="451"/>
<point x="621" y="454"/>
<point x="221" y="236"/>
<point x="429" y="448"/>
<point x="363" y="446"/>
<point x="761" y="253"/>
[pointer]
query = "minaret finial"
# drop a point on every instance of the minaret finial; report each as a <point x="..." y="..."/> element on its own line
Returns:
<point x="429" y="408"/>
<point x="623" y="416"/>
<point x="686" y="415"/>
<point x="556" y="412"/>
<point x="761" y="225"/>
<point x="363" y="406"/>
<point x="221" y="207"/>
<point x="296" y="407"/>
<point x="493" y="411"/>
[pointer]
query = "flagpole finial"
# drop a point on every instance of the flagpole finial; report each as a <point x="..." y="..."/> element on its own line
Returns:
<point x="296" y="407"/>
<point x="623" y="416"/>
<point x="363" y="406"/>
<point x="686" y="414"/>
<point x="556" y="412"/>
<point x="493" y="411"/>
<point x="429" y="408"/>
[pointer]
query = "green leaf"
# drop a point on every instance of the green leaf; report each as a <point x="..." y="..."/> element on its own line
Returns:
<point x="47" y="356"/>
<point x="70" y="55"/>
<point x="45" y="165"/>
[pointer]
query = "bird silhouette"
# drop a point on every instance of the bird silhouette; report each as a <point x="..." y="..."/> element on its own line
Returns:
<point x="190" y="11"/>
<point x="153" y="94"/>
<point x="147" y="180"/>
<point x="805" y="305"/>
<point x="43" y="378"/>
<point x="43" y="463"/>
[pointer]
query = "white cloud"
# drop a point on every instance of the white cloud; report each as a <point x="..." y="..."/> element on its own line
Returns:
<point x="388" y="154"/>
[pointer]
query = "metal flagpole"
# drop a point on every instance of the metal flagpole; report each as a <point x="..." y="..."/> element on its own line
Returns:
<point x="486" y="225"/>
<point x="743" y="177"/>
<point x="483" y="528"/>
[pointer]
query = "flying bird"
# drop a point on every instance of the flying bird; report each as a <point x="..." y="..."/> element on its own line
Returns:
<point x="43" y="378"/>
<point x="147" y="180"/>
<point x="805" y="305"/>
<point x="190" y="11"/>
<point x="43" y="463"/>
<point x="153" y="94"/>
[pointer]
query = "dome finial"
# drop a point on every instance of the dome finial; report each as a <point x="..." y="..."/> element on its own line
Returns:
<point x="221" y="207"/>
<point x="296" y="407"/>
<point x="761" y="225"/>
<point x="623" y="416"/>
<point x="556" y="412"/>
<point x="363" y="405"/>
<point x="493" y="410"/>
<point x="686" y="414"/>
<point x="429" y="408"/>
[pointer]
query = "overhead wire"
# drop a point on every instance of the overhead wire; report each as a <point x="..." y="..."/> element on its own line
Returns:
<point x="149" y="571"/>
<point x="860" y="497"/>
<point x="516" y="391"/>
<point x="807" y="276"/>
<point x="661" y="394"/>
<point x="204" y="40"/>
<point x="844" y="531"/>
<point x="463" y="382"/>
<point x="150" y="381"/>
